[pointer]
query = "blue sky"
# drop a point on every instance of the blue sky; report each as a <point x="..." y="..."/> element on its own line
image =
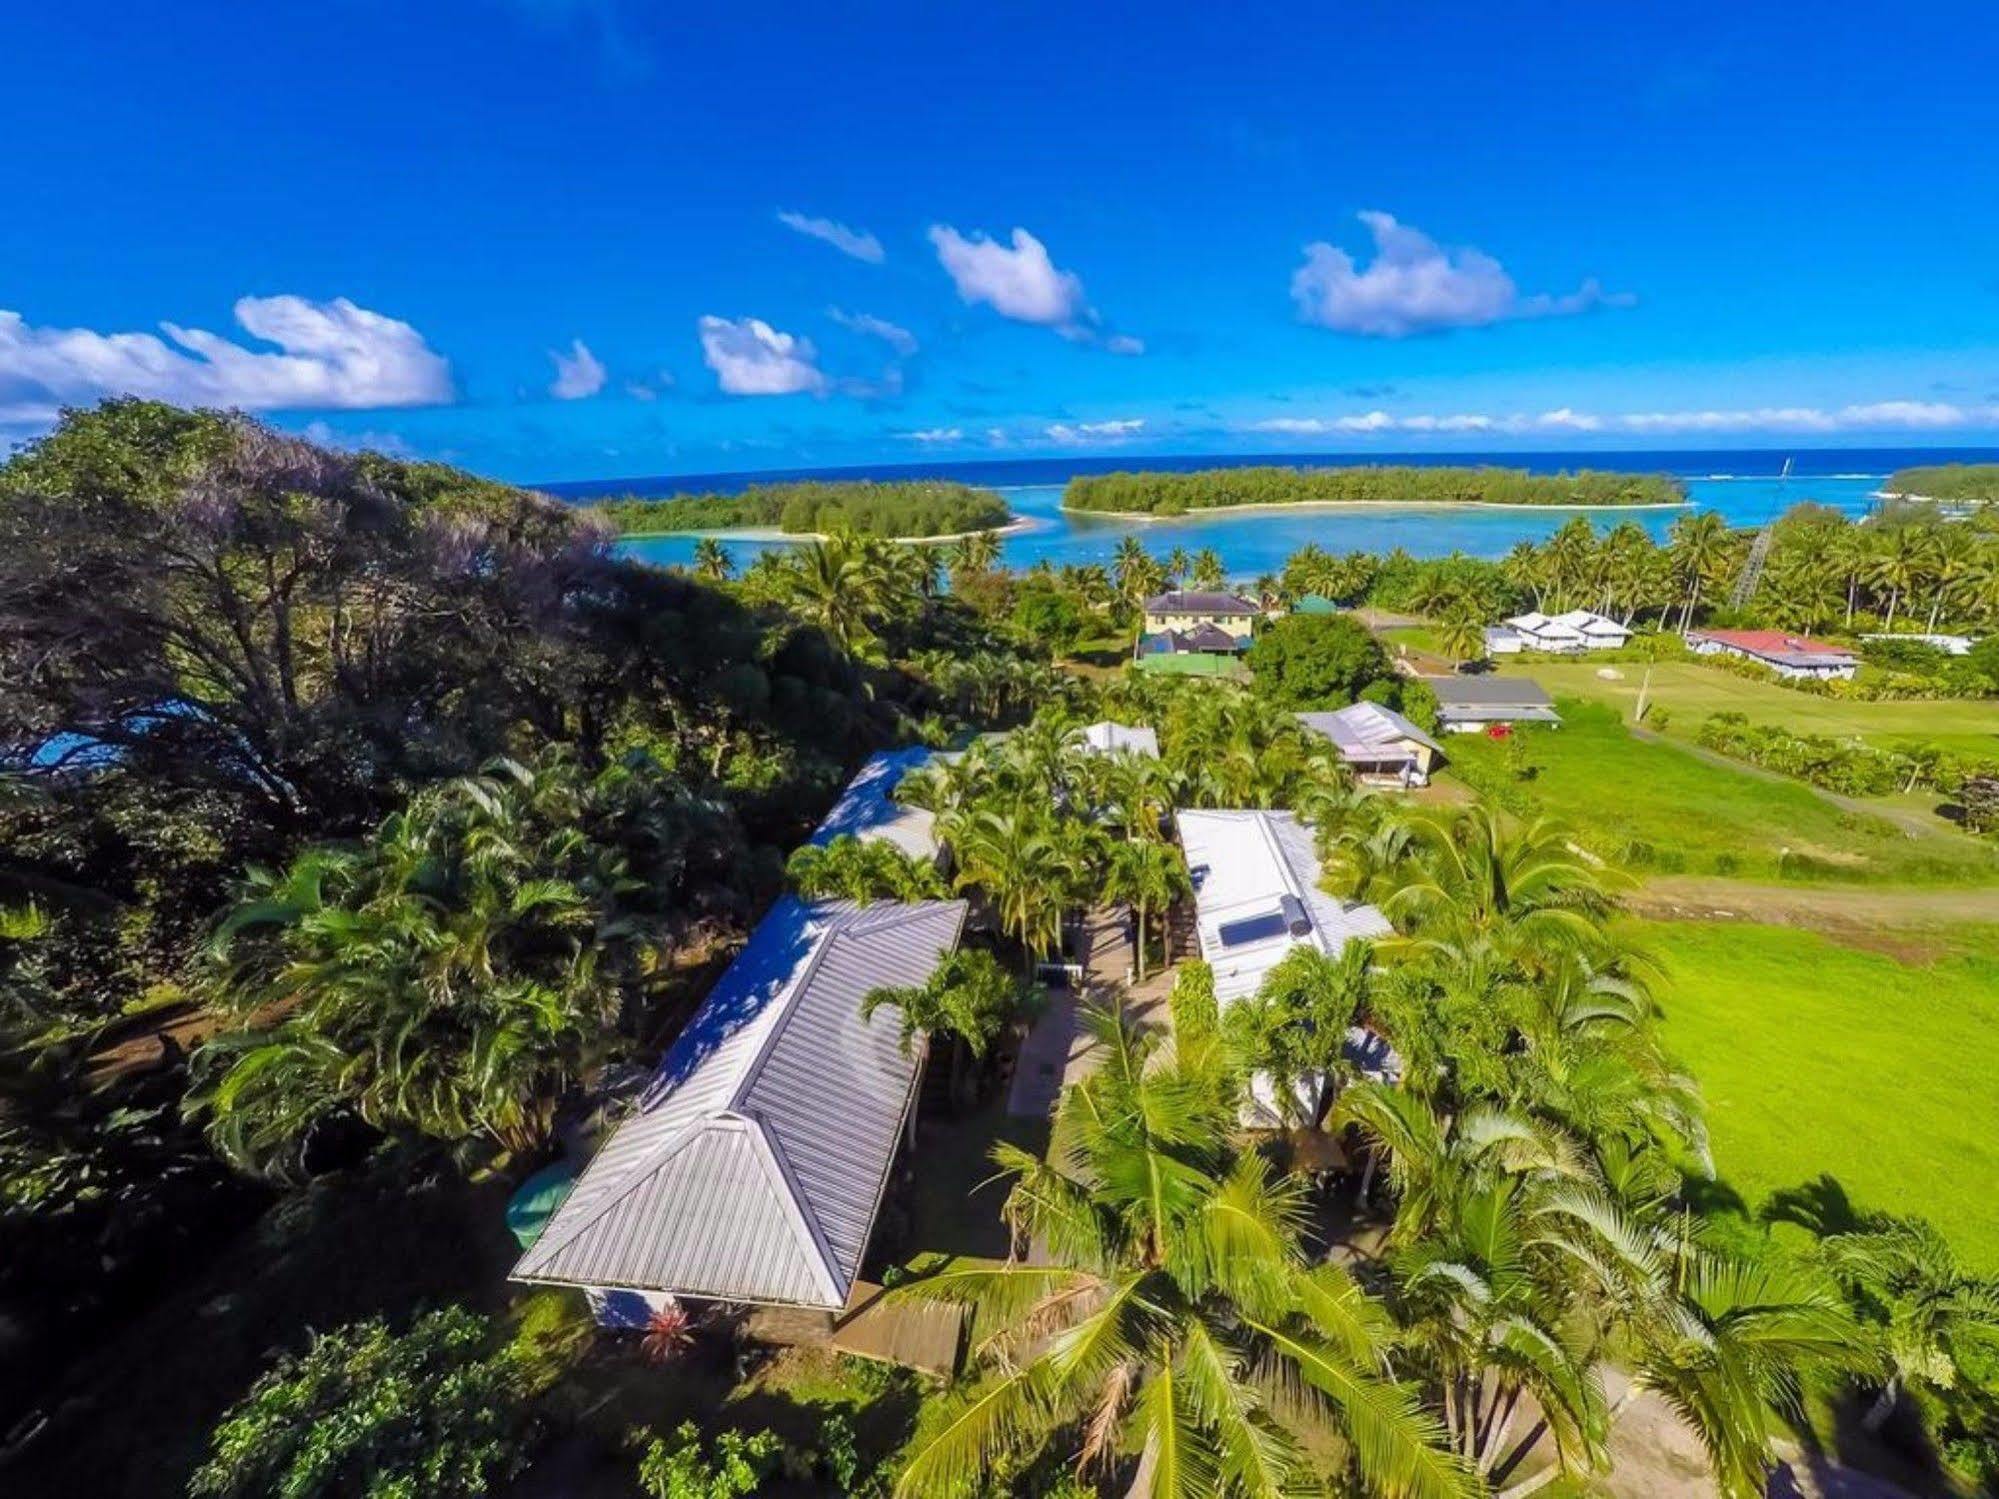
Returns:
<point x="767" y="236"/>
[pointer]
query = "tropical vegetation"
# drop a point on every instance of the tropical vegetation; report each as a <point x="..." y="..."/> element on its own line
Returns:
<point x="912" y="508"/>
<point x="1163" y="493"/>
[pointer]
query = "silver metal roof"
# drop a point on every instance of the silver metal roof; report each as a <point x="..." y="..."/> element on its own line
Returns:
<point x="1244" y="864"/>
<point x="1360" y="730"/>
<point x="754" y="1164"/>
<point x="1117" y="738"/>
<point x="868" y="808"/>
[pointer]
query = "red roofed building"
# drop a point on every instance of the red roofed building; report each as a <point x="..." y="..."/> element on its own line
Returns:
<point x="1786" y="655"/>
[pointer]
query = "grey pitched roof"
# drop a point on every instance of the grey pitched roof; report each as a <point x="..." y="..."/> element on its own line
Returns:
<point x="1488" y="691"/>
<point x="1186" y="601"/>
<point x="1363" y="729"/>
<point x="753" y="1166"/>
<point x="868" y="809"/>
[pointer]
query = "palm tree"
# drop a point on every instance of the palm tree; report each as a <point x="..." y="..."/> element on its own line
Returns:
<point x="450" y="978"/>
<point x="1148" y="876"/>
<point x="970" y="1001"/>
<point x="1927" y="1312"/>
<point x="835" y="585"/>
<point x="1292" y="1032"/>
<point x="712" y="560"/>
<point x="1461" y="635"/>
<point x="1207" y="570"/>
<point x="1177" y="565"/>
<point x="1175" y="1324"/>
<point x="1700" y="547"/>
<point x="1900" y="559"/>
<point x="862" y="869"/>
<point x="1020" y="863"/>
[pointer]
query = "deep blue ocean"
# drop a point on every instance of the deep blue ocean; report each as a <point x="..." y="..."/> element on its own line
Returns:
<point x="1745" y="486"/>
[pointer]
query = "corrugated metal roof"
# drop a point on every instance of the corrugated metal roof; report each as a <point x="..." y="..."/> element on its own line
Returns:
<point x="1118" y="738"/>
<point x="754" y="1164"/>
<point x="868" y="808"/>
<point x="1488" y="692"/>
<point x="1245" y="863"/>
<point x="1359" y="729"/>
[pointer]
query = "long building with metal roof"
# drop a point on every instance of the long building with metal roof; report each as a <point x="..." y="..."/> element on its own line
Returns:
<point x="755" y="1162"/>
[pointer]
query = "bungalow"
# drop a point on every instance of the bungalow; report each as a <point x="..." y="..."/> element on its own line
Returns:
<point x="868" y="808"/>
<point x="753" y="1166"/>
<point x="1564" y="634"/>
<point x="1213" y="623"/>
<point x="1257" y="896"/>
<point x="1793" y="656"/>
<point x="1470" y="705"/>
<point x="1378" y="744"/>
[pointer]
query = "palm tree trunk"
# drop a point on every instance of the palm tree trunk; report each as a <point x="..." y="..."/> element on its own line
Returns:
<point x="1894" y="598"/>
<point x="1936" y="608"/>
<point x="1882" y="1408"/>
<point x="1138" y="935"/>
<point x="1852" y="589"/>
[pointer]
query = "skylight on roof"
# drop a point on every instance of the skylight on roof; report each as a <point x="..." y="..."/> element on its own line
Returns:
<point x="1253" y="929"/>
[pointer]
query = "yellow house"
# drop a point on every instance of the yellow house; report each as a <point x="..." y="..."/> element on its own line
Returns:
<point x="1190" y="621"/>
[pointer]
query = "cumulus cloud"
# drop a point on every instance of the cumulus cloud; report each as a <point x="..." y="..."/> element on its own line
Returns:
<point x="934" y="434"/>
<point x="1871" y="416"/>
<point x="751" y="358"/>
<point x="577" y="373"/>
<point x="1019" y="281"/>
<point x="1414" y="285"/>
<point x="1076" y="433"/>
<point x="855" y="242"/>
<point x="325" y="356"/>
<point x="898" y="338"/>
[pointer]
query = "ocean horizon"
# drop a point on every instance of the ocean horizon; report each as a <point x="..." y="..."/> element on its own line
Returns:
<point x="1746" y="486"/>
<point x="1717" y="464"/>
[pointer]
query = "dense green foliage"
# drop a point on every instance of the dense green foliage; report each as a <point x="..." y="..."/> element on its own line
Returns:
<point x="1317" y="661"/>
<point x="1843" y="765"/>
<point x="911" y="508"/>
<point x="1211" y="489"/>
<point x="679" y="1468"/>
<point x="366" y="1411"/>
<point x="1977" y="482"/>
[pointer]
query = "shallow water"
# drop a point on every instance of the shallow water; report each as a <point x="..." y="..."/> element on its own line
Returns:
<point x="1258" y="541"/>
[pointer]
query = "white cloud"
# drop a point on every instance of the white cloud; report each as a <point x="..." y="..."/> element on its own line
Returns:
<point x="1124" y="343"/>
<point x="1073" y="433"/>
<point x="751" y="358"/>
<point x="898" y="338"/>
<point x="324" y="435"/>
<point x="328" y="356"/>
<point x="1415" y="285"/>
<point x="855" y="242"/>
<point x="934" y="434"/>
<point x="577" y="373"/>
<point x="1873" y="416"/>
<point x="1021" y="282"/>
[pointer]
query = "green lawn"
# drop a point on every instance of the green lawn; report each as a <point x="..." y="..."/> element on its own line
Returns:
<point x="1654" y="807"/>
<point x="1690" y="693"/>
<point x="1817" y="1058"/>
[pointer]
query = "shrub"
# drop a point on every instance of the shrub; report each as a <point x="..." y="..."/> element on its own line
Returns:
<point x="437" y="1410"/>
<point x="681" y="1469"/>
<point x="1846" y="766"/>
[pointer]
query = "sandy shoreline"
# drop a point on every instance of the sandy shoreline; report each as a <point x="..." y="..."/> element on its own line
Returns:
<point x="1207" y="510"/>
<point x="771" y="533"/>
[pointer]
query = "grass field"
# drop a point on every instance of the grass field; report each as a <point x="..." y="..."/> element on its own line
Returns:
<point x="1655" y="807"/>
<point x="1690" y="693"/>
<point x="1820" y="1059"/>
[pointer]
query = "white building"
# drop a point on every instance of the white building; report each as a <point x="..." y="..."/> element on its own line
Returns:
<point x="755" y="1162"/>
<point x="1256" y="897"/>
<point x="1107" y="738"/>
<point x="1795" y="656"/>
<point x="1576" y="631"/>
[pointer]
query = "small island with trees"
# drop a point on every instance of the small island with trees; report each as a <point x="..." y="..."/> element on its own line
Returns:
<point x="908" y="510"/>
<point x="1948" y="483"/>
<point x="1169" y="494"/>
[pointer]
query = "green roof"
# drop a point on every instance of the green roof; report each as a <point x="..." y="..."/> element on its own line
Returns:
<point x="1315" y="603"/>
<point x="1190" y="664"/>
